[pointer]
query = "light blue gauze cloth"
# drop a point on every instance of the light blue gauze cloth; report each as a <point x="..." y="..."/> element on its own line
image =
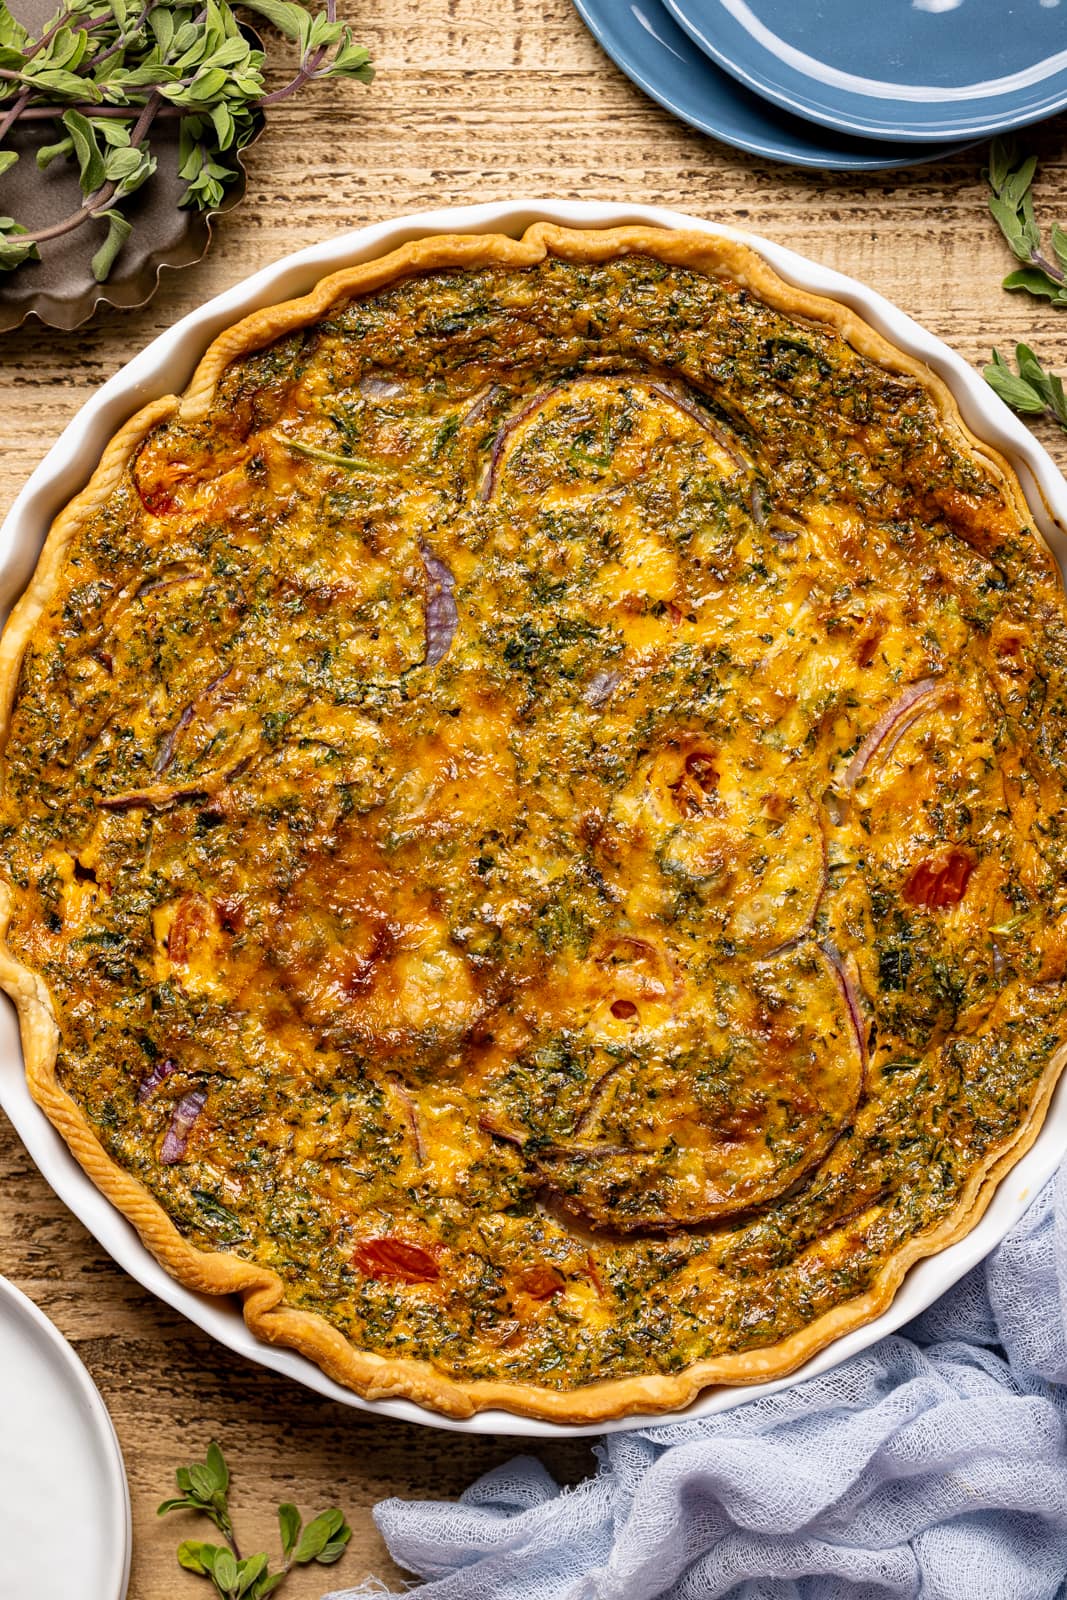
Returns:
<point x="932" y="1467"/>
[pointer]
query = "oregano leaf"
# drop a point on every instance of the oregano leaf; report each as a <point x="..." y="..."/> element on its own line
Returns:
<point x="335" y="1548"/>
<point x="284" y="15"/>
<point x="1030" y="231"/>
<point x="249" y="1570"/>
<point x="116" y="134"/>
<point x="1029" y="366"/>
<point x="173" y="1505"/>
<point x="86" y="151"/>
<point x="119" y="229"/>
<point x="317" y="1535"/>
<point x="314" y="1537"/>
<point x="14" y="251"/>
<point x="1059" y="244"/>
<point x="216" y="1465"/>
<point x="191" y="1557"/>
<point x="1014" y="391"/>
<point x="140" y="174"/>
<point x="202" y="1481"/>
<point x="224" y="1571"/>
<point x="1032" y="391"/>
<point x="289" y="1522"/>
<point x="51" y="152"/>
<point x="1034" y="280"/>
<point x="1016" y="183"/>
<point x="12" y="33"/>
<point x="1009" y="225"/>
<point x="1001" y="161"/>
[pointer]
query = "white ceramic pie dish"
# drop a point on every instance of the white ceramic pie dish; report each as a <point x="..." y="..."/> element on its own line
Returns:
<point x="165" y="367"/>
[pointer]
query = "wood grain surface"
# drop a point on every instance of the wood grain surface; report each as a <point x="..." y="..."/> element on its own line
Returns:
<point x="474" y="100"/>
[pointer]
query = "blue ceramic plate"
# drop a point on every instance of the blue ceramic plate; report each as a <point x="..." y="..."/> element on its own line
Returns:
<point x="893" y="69"/>
<point x="652" y="50"/>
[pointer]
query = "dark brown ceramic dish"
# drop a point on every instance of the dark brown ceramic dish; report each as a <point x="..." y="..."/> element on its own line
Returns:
<point x="60" y="290"/>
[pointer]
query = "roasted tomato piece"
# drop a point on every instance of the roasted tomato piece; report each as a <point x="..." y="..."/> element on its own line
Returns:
<point x="157" y="499"/>
<point x="939" y="881"/>
<point x="540" y="1282"/>
<point x="161" y="478"/>
<point x="230" y="911"/>
<point x="397" y="1259"/>
<point x="698" y="781"/>
<point x="867" y="646"/>
<point x="189" y="925"/>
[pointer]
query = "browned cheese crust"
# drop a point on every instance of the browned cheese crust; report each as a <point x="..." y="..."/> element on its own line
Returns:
<point x="533" y="831"/>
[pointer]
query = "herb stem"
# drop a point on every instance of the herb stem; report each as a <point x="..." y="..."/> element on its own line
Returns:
<point x="204" y="1487"/>
<point x="308" y="67"/>
<point x="123" y="39"/>
<point x="17" y="109"/>
<point x="102" y="197"/>
<point x="41" y="113"/>
<point x="1042" y="261"/>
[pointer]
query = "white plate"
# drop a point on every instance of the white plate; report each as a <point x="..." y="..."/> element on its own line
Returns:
<point x="66" y="1507"/>
<point x="166" y="366"/>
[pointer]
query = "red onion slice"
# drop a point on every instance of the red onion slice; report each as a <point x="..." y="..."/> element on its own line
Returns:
<point x="159" y="1073"/>
<point x="161" y="798"/>
<point x="376" y="387"/>
<point x="699" y="415"/>
<point x="497" y="1130"/>
<point x="170" y="743"/>
<point x="411" y="1116"/>
<point x="680" y="401"/>
<point x="901" y="728"/>
<point x="480" y="406"/>
<point x="504" y="432"/>
<point x="804" y="931"/>
<point x="442" y="613"/>
<point x="597" y="1093"/>
<point x="182" y="1123"/>
<point x="166" y="581"/>
<point x="851" y="998"/>
<point x="897" y="720"/>
<point x="600" y="688"/>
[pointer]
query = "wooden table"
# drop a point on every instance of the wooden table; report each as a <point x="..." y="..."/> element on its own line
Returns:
<point x="474" y="100"/>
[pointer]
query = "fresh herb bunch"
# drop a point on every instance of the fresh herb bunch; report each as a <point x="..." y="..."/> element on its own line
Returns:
<point x="1011" y="179"/>
<point x="1031" y="390"/>
<point x="204" y="1487"/>
<point x="108" y="71"/>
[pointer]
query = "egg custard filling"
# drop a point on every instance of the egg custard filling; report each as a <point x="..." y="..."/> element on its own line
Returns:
<point x="534" y="823"/>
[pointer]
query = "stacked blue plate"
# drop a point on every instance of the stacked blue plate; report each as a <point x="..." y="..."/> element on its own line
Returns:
<point x="840" y="84"/>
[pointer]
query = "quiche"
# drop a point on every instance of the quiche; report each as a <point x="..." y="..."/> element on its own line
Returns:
<point x="533" y="823"/>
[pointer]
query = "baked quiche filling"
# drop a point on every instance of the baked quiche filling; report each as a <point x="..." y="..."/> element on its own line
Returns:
<point x="541" y="817"/>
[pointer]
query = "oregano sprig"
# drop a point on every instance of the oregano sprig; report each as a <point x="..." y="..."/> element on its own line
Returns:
<point x="1011" y="202"/>
<point x="1030" y="390"/>
<point x="108" y="71"/>
<point x="204" y="1488"/>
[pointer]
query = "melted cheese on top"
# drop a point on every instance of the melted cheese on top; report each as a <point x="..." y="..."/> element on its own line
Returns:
<point x="543" y="819"/>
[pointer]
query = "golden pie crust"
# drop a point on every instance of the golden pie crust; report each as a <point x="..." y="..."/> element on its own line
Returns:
<point x="714" y="860"/>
